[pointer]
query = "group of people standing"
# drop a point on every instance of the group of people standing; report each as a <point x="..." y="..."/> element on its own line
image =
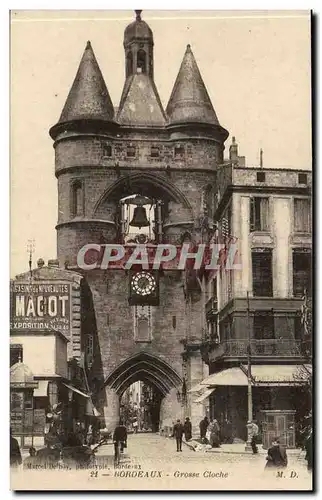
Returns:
<point x="210" y="432"/>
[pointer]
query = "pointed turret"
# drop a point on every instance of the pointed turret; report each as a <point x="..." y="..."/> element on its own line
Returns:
<point x="88" y="98"/>
<point x="189" y="101"/>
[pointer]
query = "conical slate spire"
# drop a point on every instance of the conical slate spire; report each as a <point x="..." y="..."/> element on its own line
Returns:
<point x="189" y="101"/>
<point x="88" y="98"/>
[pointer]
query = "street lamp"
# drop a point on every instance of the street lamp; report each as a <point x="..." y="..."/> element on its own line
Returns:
<point x="248" y="446"/>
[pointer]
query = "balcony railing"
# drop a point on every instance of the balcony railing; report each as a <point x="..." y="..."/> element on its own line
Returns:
<point x="285" y="348"/>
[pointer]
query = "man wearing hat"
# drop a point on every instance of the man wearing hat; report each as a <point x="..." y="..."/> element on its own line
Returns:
<point x="178" y="431"/>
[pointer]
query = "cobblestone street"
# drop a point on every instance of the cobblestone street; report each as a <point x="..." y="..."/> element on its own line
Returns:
<point x="155" y="458"/>
<point x="151" y="462"/>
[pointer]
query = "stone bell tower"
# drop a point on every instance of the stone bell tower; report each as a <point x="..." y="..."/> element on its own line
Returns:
<point x="167" y="159"/>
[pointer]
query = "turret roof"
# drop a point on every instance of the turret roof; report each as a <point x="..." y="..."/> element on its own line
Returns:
<point x="88" y="97"/>
<point x="138" y="29"/>
<point x="189" y="101"/>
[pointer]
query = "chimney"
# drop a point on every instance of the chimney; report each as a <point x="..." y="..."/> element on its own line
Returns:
<point x="233" y="151"/>
<point x="53" y="263"/>
<point x="40" y="263"/>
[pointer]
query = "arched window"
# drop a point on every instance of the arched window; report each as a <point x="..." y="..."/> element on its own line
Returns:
<point x="129" y="64"/>
<point x="141" y="61"/>
<point x="186" y="237"/>
<point x="77" y="207"/>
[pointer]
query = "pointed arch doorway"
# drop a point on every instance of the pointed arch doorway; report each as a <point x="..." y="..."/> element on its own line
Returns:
<point x="161" y="380"/>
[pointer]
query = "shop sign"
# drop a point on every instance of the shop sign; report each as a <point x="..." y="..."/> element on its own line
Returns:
<point x="40" y="306"/>
<point x="16" y="421"/>
<point x="28" y="421"/>
<point x="35" y="421"/>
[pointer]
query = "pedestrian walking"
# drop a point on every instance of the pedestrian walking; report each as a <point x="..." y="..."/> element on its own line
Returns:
<point x="203" y="426"/>
<point x="276" y="455"/>
<point x="89" y="436"/>
<point x="308" y="449"/>
<point x="227" y="431"/>
<point x="120" y="437"/>
<point x="178" y="431"/>
<point x="15" y="455"/>
<point x="80" y="433"/>
<point x="135" y="426"/>
<point x="187" y="427"/>
<point x="254" y="432"/>
<point x="214" y="430"/>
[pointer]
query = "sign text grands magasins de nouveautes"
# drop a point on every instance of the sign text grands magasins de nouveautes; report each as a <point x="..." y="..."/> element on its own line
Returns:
<point x="40" y="306"/>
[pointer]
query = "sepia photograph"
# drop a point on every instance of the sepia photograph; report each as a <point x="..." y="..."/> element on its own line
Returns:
<point x="161" y="250"/>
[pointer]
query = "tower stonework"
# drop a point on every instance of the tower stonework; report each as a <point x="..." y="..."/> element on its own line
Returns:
<point x="103" y="156"/>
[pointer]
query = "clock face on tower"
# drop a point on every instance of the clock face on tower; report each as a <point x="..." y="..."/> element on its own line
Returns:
<point x="143" y="283"/>
<point x="144" y="288"/>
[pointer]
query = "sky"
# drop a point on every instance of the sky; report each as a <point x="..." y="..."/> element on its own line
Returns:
<point x="255" y="65"/>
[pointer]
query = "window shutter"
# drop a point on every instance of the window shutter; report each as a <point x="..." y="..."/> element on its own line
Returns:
<point x="301" y="273"/>
<point x="302" y="215"/>
<point x="262" y="273"/>
<point x="252" y="215"/>
<point x="264" y="213"/>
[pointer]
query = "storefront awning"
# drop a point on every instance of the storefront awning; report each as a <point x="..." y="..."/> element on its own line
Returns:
<point x="42" y="389"/>
<point x="204" y="396"/>
<point x="74" y="389"/>
<point x="231" y="376"/>
<point x="279" y="375"/>
<point x="262" y="375"/>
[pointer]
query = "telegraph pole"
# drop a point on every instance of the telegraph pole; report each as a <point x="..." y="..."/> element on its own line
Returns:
<point x="249" y="383"/>
<point x="30" y="250"/>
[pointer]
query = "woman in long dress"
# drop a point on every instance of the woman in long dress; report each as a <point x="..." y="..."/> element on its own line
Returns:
<point x="214" y="433"/>
<point x="187" y="427"/>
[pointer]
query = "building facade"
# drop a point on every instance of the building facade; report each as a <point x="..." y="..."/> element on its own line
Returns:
<point x="168" y="158"/>
<point x="140" y="173"/>
<point x="46" y="336"/>
<point x="257" y="307"/>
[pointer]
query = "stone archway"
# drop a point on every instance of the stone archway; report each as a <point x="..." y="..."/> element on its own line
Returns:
<point x="146" y="184"/>
<point x="152" y="370"/>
